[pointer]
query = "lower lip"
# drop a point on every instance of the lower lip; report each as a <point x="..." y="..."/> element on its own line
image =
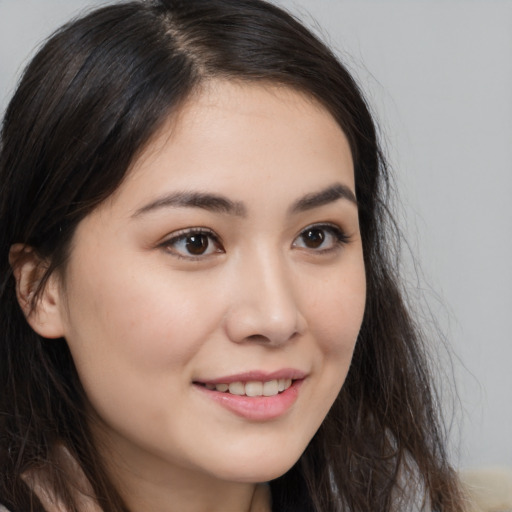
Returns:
<point x="256" y="408"/>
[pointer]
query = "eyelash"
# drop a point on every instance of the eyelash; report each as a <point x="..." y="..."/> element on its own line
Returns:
<point x="340" y="238"/>
<point x="185" y="234"/>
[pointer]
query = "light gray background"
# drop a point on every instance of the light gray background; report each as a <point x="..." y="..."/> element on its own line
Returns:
<point x="439" y="77"/>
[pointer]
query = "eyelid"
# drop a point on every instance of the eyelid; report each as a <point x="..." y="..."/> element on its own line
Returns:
<point x="340" y="235"/>
<point x="189" y="231"/>
<point x="175" y="236"/>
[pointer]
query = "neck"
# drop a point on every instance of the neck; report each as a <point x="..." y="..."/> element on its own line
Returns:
<point x="159" y="497"/>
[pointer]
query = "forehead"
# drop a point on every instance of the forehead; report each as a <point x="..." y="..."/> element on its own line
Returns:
<point x="230" y="131"/>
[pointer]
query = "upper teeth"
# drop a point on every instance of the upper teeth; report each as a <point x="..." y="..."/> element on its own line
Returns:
<point x="253" y="388"/>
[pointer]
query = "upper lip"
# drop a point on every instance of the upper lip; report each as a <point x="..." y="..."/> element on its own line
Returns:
<point x="257" y="376"/>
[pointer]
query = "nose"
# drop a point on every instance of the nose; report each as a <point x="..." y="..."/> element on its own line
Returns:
<point x="264" y="304"/>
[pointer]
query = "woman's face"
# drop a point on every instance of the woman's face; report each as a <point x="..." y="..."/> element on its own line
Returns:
<point x="229" y="257"/>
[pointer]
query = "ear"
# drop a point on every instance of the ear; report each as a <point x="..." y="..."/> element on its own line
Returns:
<point x="42" y="311"/>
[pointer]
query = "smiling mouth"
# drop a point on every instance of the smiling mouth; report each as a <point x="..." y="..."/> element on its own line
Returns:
<point x="251" y="388"/>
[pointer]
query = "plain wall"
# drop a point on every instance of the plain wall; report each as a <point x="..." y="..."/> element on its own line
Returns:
<point x="439" y="77"/>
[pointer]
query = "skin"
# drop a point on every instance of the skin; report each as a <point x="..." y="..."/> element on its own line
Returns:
<point x="145" y="319"/>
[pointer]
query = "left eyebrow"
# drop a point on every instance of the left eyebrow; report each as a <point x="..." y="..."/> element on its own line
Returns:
<point x="323" y="197"/>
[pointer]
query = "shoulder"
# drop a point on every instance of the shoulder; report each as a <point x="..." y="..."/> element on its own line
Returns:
<point x="3" y="509"/>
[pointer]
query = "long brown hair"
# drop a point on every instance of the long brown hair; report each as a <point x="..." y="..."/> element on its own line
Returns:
<point x="86" y="105"/>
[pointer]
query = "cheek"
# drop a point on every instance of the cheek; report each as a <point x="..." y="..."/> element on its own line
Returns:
<point x="143" y="321"/>
<point x="335" y="310"/>
<point x="134" y="339"/>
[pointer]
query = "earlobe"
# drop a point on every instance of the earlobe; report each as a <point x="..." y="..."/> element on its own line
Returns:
<point x="41" y="309"/>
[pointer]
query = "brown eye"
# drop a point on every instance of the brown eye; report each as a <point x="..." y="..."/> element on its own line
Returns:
<point x="197" y="244"/>
<point x="193" y="243"/>
<point x="321" y="238"/>
<point x="313" y="238"/>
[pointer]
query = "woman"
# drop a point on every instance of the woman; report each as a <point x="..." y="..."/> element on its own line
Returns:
<point x="199" y="310"/>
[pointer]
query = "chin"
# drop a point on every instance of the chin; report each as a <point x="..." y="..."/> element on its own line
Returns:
<point x="260" y="469"/>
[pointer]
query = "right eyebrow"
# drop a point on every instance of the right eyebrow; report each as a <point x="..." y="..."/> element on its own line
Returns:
<point x="211" y="202"/>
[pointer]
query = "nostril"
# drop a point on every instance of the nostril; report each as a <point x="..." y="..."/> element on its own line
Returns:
<point x="258" y="337"/>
